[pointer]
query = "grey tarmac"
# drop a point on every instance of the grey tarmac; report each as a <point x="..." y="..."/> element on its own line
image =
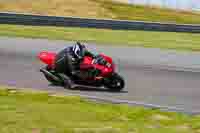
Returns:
<point x="156" y="78"/>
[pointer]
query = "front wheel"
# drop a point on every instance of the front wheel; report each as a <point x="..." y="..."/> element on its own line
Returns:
<point x="116" y="83"/>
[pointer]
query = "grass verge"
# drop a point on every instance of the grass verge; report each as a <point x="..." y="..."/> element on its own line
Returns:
<point x="23" y="112"/>
<point x="167" y="40"/>
<point x="99" y="9"/>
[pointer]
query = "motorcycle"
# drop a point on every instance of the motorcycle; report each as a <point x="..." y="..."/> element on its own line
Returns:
<point x="102" y="69"/>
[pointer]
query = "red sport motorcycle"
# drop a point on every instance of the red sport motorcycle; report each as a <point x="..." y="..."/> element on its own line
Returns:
<point x="102" y="68"/>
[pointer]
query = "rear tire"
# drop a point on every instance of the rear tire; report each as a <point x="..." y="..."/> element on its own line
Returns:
<point x="116" y="83"/>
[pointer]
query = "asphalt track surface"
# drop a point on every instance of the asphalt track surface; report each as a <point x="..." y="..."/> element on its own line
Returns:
<point x="165" y="79"/>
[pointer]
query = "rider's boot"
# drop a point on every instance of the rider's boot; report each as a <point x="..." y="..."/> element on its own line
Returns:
<point x="68" y="83"/>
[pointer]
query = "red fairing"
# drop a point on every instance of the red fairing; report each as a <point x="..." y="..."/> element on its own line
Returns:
<point x="110" y="60"/>
<point x="87" y="63"/>
<point x="47" y="57"/>
<point x="104" y="70"/>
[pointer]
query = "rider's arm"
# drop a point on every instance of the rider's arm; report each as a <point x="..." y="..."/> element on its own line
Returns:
<point x="88" y="53"/>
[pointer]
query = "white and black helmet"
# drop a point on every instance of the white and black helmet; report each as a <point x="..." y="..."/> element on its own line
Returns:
<point x="78" y="50"/>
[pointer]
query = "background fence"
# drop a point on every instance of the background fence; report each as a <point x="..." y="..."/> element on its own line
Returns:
<point x="25" y="19"/>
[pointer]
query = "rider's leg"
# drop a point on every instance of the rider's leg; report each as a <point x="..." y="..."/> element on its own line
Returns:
<point x="60" y="62"/>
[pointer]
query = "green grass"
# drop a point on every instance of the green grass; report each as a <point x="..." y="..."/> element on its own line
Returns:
<point x="167" y="40"/>
<point x="26" y="112"/>
<point x="99" y="9"/>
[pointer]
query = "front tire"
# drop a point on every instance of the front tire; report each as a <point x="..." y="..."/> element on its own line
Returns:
<point x="116" y="83"/>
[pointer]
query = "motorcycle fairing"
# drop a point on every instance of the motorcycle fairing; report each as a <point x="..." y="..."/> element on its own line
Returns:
<point x="48" y="58"/>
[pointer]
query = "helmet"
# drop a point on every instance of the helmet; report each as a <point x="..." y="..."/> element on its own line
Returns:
<point x="79" y="50"/>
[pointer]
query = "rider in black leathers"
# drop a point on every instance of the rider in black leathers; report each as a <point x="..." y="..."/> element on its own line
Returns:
<point x="68" y="60"/>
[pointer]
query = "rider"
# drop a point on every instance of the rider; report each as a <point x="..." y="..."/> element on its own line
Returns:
<point x="68" y="60"/>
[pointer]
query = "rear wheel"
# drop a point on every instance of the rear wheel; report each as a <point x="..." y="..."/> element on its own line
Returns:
<point x="116" y="83"/>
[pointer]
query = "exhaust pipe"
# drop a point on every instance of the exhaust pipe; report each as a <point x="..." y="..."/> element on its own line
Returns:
<point x="45" y="72"/>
